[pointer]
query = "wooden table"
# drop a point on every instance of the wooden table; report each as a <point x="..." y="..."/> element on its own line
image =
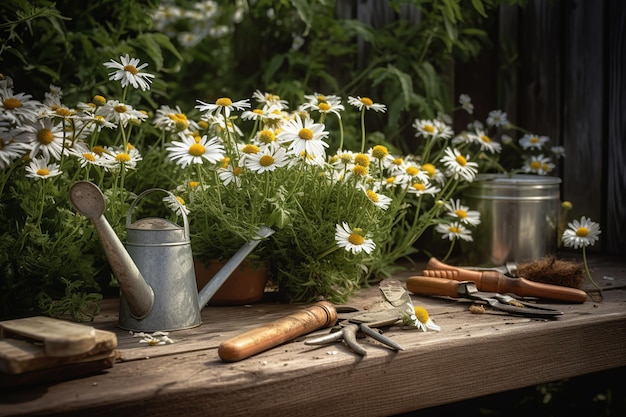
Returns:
<point x="473" y="355"/>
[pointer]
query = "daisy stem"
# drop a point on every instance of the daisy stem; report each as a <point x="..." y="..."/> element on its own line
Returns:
<point x="327" y="252"/>
<point x="363" y="130"/>
<point x="340" y="133"/>
<point x="452" y="242"/>
<point x="588" y="273"/>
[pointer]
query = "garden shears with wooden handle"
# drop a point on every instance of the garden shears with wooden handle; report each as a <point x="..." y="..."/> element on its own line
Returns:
<point x="468" y="289"/>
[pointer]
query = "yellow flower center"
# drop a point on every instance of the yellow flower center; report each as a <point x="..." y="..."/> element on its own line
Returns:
<point x="379" y="152"/>
<point x="180" y="200"/>
<point x="398" y="161"/>
<point x="237" y="171"/>
<point x="250" y="149"/>
<point x="324" y="106"/>
<point x="99" y="120"/>
<point x="372" y="196"/>
<point x="99" y="100"/>
<point x="359" y="171"/>
<point x="203" y="125"/>
<point x="45" y="136"/>
<point x="257" y="111"/>
<point x="429" y="128"/>
<point x="362" y="159"/>
<point x="356" y="239"/>
<point x="454" y="229"/>
<point x="63" y="112"/>
<point x="194" y="184"/>
<point x="534" y="139"/>
<point x="98" y="150"/>
<point x="266" y="160"/>
<point x="122" y="157"/>
<point x="461" y="213"/>
<point x="390" y="180"/>
<point x="430" y="169"/>
<point x="460" y="159"/>
<point x="419" y="186"/>
<point x="120" y="108"/>
<point x="89" y="157"/>
<point x="197" y="149"/>
<point x="267" y="136"/>
<point x="42" y="172"/>
<point x="421" y="314"/>
<point x="485" y="138"/>
<point x="11" y="103"/>
<point x="224" y="102"/>
<point x="345" y="158"/>
<point x="131" y="68"/>
<point x="367" y="101"/>
<point x="412" y="171"/>
<point x="582" y="232"/>
<point x="321" y="97"/>
<point x="535" y="164"/>
<point x="305" y="133"/>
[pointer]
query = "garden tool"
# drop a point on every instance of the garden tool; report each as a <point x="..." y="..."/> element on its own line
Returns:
<point x="155" y="270"/>
<point x="361" y="324"/>
<point x="468" y="289"/>
<point x="495" y="281"/>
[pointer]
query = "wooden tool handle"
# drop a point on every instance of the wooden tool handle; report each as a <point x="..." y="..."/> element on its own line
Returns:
<point x="433" y="286"/>
<point x="317" y="316"/>
<point x="493" y="281"/>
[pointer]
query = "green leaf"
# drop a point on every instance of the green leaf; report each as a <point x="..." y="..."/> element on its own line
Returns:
<point x="305" y="12"/>
<point x="480" y="8"/>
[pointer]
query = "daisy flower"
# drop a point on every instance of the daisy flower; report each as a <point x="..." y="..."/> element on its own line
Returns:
<point x="86" y="157"/>
<point x="366" y="103"/>
<point x="268" y="159"/>
<point x="305" y="136"/>
<point x="422" y="188"/>
<point x="419" y="317"/>
<point x="270" y="100"/>
<point x="485" y="142"/>
<point x="323" y="104"/>
<point x="230" y="174"/>
<point x="530" y="141"/>
<point x="11" y="147"/>
<point x="497" y="118"/>
<point x="462" y="213"/>
<point x="459" y="165"/>
<point x="538" y="164"/>
<point x="116" y="158"/>
<point x="379" y="200"/>
<point x="581" y="233"/>
<point x="195" y="150"/>
<point x="435" y="129"/>
<point x="120" y="113"/>
<point x="128" y="71"/>
<point x="454" y="231"/>
<point x="176" y="204"/>
<point x="45" y="138"/>
<point x="16" y="108"/>
<point x="223" y="104"/>
<point x="466" y="103"/>
<point x="352" y="240"/>
<point x="172" y="119"/>
<point x="41" y="168"/>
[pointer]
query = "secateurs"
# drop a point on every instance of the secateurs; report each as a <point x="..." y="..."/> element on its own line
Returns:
<point x="468" y="289"/>
<point x="361" y="324"/>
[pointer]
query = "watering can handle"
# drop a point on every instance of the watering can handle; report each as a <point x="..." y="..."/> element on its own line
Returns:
<point x="129" y="215"/>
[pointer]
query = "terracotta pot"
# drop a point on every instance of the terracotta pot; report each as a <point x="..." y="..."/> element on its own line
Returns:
<point x="246" y="285"/>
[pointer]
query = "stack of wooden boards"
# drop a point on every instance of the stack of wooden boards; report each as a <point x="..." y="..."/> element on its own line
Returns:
<point x="41" y="349"/>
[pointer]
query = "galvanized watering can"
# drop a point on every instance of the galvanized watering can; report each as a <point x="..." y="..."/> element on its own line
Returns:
<point x="155" y="270"/>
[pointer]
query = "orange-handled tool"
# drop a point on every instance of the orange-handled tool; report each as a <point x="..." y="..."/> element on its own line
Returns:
<point x="467" y="289"/>
<point x="494" y="281"/>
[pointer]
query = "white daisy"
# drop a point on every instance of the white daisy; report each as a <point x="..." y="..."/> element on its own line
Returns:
<point x="462" y="213"/>
<point x="454" y="230"/>
<point x="16" y="108"/>
<point x="176" y="204"/>
<point x="530" y="141"/>
<point x="128" y="71"/>
<point x="485" y="142"/>
<point x="459" y="165"/>
<point x="323" y="104"/>
<point x="120" y="113"/>
<point x="41" y="168"/>
<point x="172" y="119"/>
<point x="223" y="104"/>
<point x="195" y="150"/>
<point x="580" y="234"/>
<point x="268" y="159"/>
<point x="497" y="118"/>
<point x="466" y="103"/>
<point x="419" y="317"/>
<point x="538" y="164"/>
<point x="379" y="200"/>
<point x="11" y="147"/>
<point x="117" y="158"/>
<point x="419" y="188"/>
<point x="366" y="103"/>
<point x="304" y="136"/>
<point x="87" y="157"/>
<point x="230" y="174"/>
<point x="353" y="240"/>
<point x="44" y="138"/>
<point x="270" y="100"/>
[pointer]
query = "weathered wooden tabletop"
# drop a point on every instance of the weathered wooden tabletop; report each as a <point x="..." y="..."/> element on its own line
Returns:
<point x="473" y="355"/>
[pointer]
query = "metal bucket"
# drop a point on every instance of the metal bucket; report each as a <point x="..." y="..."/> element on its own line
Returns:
<point x="519" y="218"/>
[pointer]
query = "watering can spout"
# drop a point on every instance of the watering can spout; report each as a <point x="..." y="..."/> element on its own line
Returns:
<point x="89" y="201"/>
<point x="218" y="279"/>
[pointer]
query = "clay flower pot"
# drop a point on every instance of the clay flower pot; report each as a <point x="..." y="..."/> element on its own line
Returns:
<point x="246" y="285"/>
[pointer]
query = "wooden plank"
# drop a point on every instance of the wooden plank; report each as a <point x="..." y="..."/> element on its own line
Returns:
<point x="473" y="355"/>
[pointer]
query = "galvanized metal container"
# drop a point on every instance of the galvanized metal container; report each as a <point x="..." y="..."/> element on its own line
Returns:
<point x="519" y="218"/>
